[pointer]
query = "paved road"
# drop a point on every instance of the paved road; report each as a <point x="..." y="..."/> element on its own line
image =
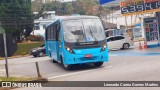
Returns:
<point x="21" y="66"/>
<point x="119" y="68"/>
<point x="126" y="68"/>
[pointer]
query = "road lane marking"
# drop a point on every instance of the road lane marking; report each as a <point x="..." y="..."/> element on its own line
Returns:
<point x="64" y="75"/>
<point x="108" y="67"/>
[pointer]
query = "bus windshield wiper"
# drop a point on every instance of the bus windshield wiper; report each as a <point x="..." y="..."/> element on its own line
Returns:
<point x="77" y="40"/>
<point x="90" y="31"/>
<point x="78" y="33"/>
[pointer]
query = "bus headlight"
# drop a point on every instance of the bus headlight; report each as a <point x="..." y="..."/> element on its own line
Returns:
<point x="69" y="50"/>
<point x="104" y="47"/>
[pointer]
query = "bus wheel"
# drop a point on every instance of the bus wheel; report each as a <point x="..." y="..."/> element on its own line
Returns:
<point x="98" y="64"/>
<point x="35" y="55"/>
<point x="50" y="55"/>
<point x="54" y="61"/>
<point x="66" y="67"/>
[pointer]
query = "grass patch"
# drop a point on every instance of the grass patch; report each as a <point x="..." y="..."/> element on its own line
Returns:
<point x="24" y="48"/>
<point x="16" y="79"/>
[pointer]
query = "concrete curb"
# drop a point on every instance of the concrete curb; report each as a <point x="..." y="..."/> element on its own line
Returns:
<point x="18" y="56"/>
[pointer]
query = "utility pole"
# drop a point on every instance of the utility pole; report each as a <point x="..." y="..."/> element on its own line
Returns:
<point x="6" y="56"/>
<point x="5" y="49"/>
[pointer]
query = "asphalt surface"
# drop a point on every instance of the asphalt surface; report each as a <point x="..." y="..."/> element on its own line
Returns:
<point x="119" y="68"/>
<point x="21" y="66"/>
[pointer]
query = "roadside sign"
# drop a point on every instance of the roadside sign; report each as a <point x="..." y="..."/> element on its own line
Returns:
<point x="151" y="30"/>
<point x="139" y="7"/>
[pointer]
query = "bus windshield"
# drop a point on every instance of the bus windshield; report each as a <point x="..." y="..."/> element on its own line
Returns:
<point x="83" y="30"/>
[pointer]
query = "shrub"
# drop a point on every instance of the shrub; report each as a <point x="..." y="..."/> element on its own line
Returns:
<point x="40" y="38"/>
<point x="24" y="48"/>
<point x="35" y="38"/>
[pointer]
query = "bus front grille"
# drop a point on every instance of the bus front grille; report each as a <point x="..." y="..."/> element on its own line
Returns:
<point x="93" y="58"/>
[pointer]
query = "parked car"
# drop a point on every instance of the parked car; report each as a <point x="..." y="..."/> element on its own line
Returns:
<point x="39" y="51"/>
<point x="119" y="42"/>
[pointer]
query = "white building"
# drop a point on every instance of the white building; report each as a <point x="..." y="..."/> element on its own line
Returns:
<point x="117" y="18"/>
<point x="40" y="24"/>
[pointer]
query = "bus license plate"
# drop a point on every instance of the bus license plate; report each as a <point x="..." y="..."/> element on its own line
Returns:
<point x="88" y="56"/>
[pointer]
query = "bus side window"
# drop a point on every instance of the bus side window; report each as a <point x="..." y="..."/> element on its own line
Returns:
<point x="46" y="34"/>
<point x="57" y="31"/>
<point x="60" y="37"/>
<point x="52" y="33"/>
<point x="58" y="26"/>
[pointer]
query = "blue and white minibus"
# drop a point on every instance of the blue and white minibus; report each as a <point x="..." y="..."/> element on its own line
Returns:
<point x="76" y="40"/>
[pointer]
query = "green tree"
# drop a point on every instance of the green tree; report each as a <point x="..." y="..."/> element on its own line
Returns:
<point x="79" y="7"/>
<point x="52" y="6"/>
<point x="36" y="5"/>
<point x="69" y="8"/>
<point x="16" y="17"/>
<point x="82" y="7"/>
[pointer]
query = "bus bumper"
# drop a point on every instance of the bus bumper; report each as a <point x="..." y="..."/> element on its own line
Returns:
<point x="80" y="59"/>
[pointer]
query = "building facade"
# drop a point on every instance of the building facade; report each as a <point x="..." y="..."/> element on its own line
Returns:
<point x="40" y="24"/>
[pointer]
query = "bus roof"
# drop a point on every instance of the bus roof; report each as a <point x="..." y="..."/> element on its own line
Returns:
<point x="77" y="17"/>
<point x="63" y="18"/>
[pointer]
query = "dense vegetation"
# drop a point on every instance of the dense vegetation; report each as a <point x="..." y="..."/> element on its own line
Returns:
<point x="82" y="7"/>
<point x="24" y="48"/>
<point x="16" y="17"/>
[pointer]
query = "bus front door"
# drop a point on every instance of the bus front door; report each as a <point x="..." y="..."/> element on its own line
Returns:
<point x="59" y="41"/>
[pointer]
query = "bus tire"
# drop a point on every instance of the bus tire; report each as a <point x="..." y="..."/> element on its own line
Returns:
<point x="54" y="61"/>
<point x="35" y="55"/>
<point x="50" y="54"/>
<point x="98" y="64"/>
<point x="66" y="67"/>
